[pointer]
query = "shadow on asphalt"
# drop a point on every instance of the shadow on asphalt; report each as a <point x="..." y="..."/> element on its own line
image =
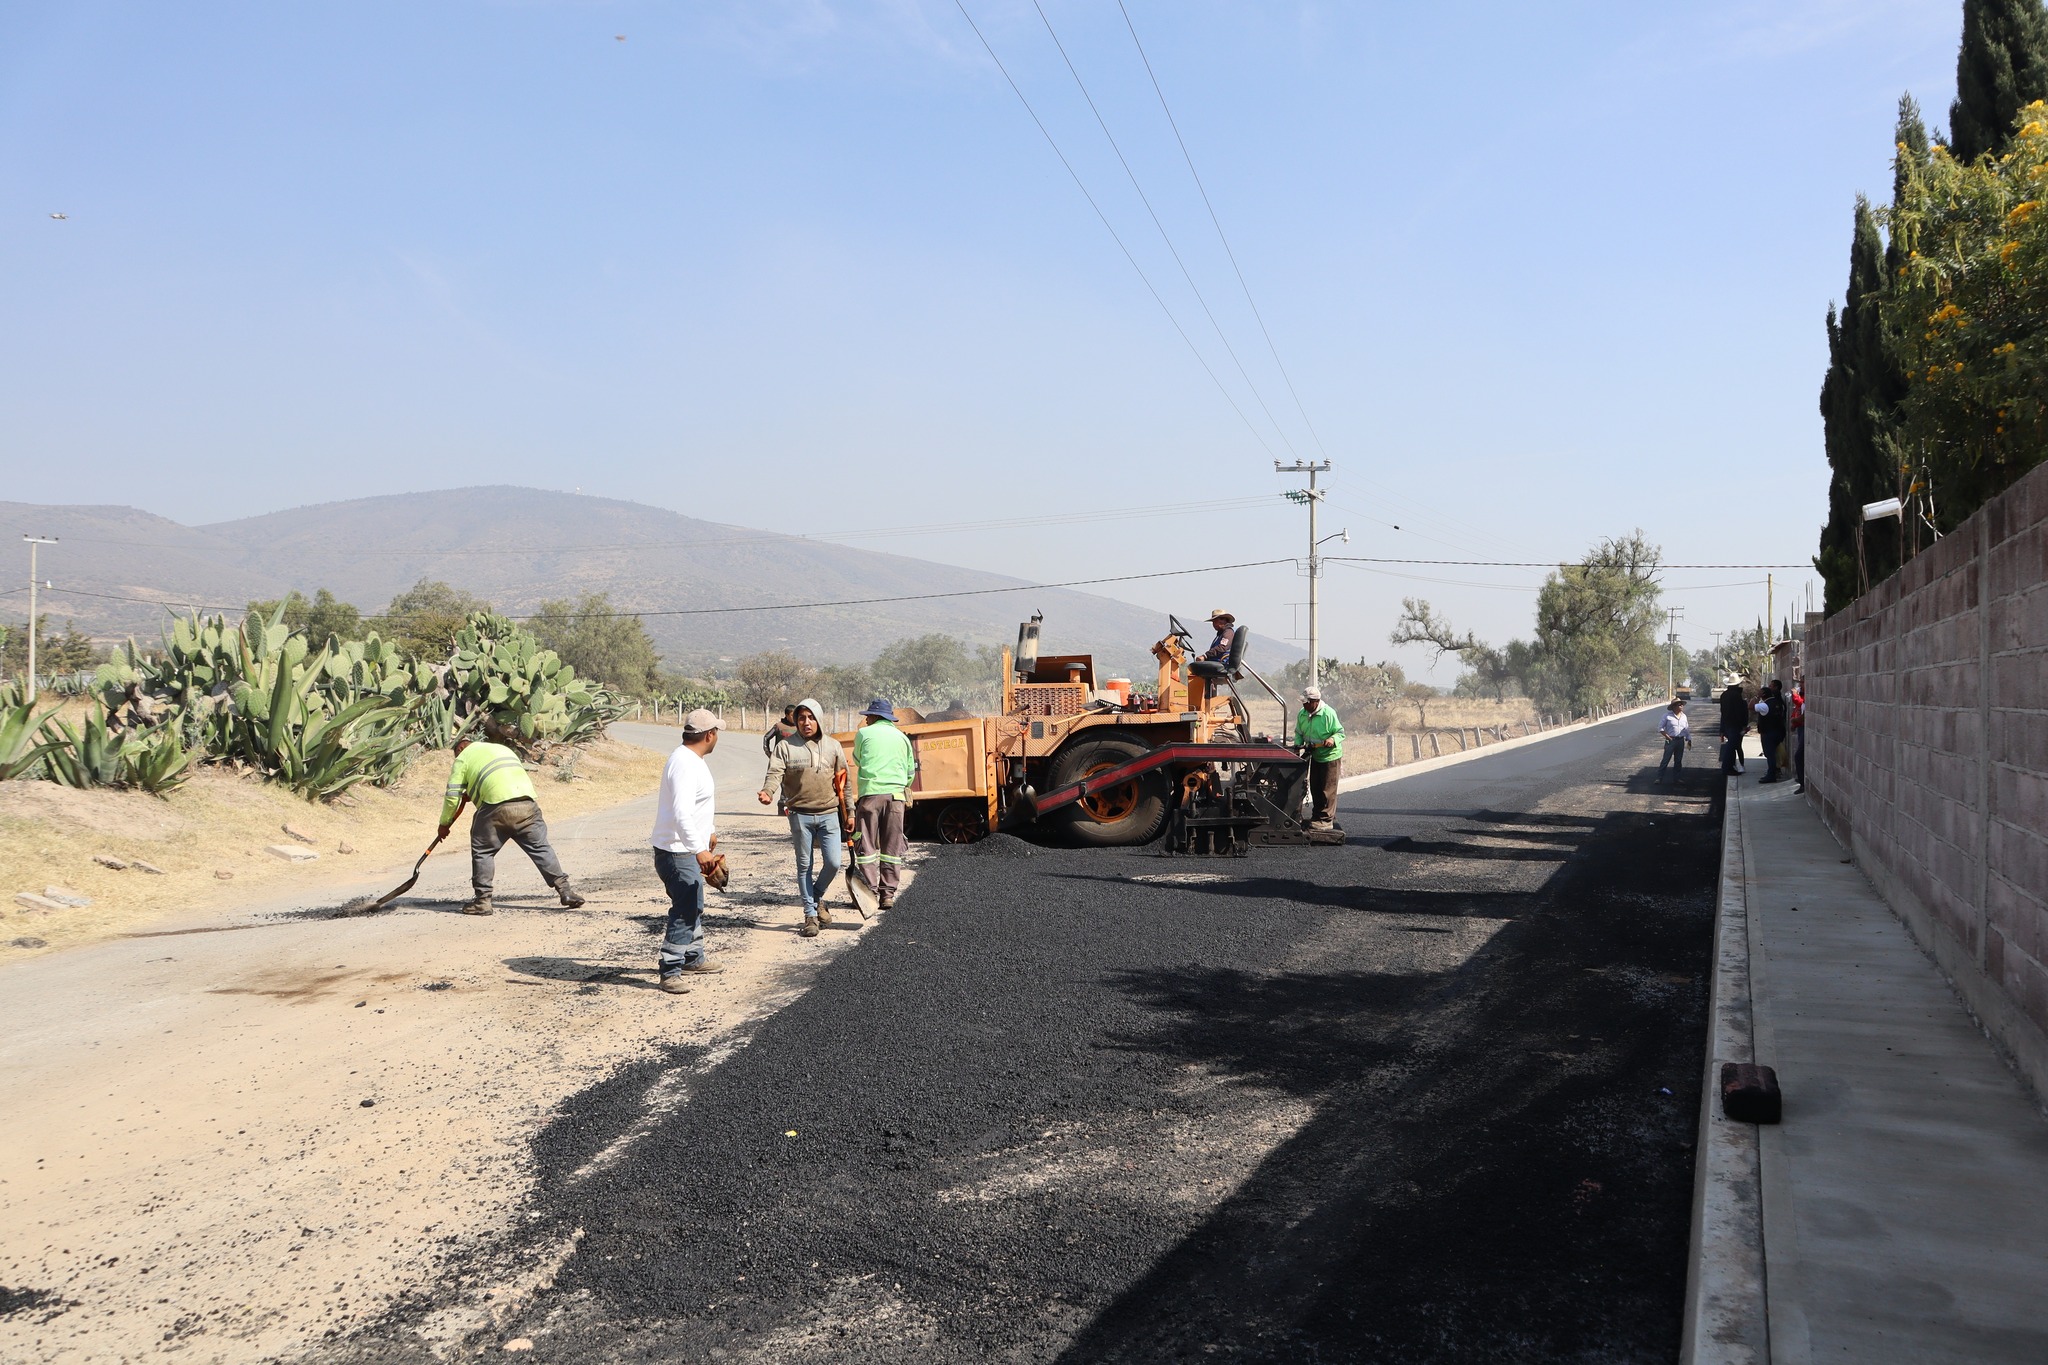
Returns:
<point x="573" y="970"/>
<point x="1498" y="1168"/>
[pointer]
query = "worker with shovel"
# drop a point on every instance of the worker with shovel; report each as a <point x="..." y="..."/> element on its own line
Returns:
<point x="807" y="768"/>
<point x="491" y="777"/>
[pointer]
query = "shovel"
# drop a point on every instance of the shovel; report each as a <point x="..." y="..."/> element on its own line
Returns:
<point x="371" y="907"/>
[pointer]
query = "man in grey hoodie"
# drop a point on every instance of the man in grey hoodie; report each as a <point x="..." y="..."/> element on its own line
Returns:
<point x="808" y="769"/>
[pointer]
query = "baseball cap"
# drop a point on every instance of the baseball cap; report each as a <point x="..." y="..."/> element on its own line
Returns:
<point x="1312" y="693"/>
<point x="701" y="721"/>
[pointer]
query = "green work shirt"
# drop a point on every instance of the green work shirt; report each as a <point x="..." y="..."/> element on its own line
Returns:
<point x="885" y="759"/>
<point x="1313" y="727"/>
<point x="486" y="774"/>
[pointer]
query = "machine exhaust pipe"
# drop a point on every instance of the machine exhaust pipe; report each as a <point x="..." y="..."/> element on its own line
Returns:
<point x="1026" y="661"/>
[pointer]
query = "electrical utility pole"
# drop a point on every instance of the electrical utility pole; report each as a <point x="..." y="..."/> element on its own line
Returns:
<point x="1309" y="496"/>
<point x="33" y="541"/>
<point x="1671" y="650"/>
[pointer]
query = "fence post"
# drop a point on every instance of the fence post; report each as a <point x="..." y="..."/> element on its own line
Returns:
<point x="1436" y="749"/>
<point x="1415" y="746"/>
<point x="1390" y="751"/>
<point x="1460" y="733"/>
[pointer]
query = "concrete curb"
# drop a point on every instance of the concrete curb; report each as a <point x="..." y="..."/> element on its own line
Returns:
<point x="1727" y="1321"/>
<point x="1430" y="765"/>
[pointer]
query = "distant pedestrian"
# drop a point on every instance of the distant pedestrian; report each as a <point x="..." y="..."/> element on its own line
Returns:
<point x="1798" y="740"/>
<point x="685" y="843"/>
<point x="885" y="765"/>
<point x="1734" y="725"/>
<point x="492" y="778"/>
<point x="1770" y="726"/>
<point x="1677" y="732"/>
<point x="1320" y="734"/>
<point x="779" y="730"/>
<point x="807" y="778"/>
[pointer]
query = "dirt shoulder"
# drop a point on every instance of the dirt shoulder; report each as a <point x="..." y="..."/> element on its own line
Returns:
<point x="211" y="838"/>
<point x="243" y="1132"/>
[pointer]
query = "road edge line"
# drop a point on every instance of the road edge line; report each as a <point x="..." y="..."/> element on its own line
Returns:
<point x="1727" y="1319"/>
<point x="1430" y="765"/>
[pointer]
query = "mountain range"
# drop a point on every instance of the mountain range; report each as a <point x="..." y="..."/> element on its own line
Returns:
<point x="118" y="571"/>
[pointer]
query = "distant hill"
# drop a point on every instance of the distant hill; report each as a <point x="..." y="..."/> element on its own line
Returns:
<point x="517" y="547"/>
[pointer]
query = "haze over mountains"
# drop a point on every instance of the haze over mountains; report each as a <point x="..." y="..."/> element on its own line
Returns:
<point x="518" y="547"/>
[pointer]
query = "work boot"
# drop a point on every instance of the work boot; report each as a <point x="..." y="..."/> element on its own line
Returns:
<point x="570" y="900"/>
<point x="703" y="966"/>
<point x="824" y="915"/>
<point x="477" y="905"/>
<point x="674" y="984"/>
<point x="810" y="929"/>
<point x="887" y="901"/>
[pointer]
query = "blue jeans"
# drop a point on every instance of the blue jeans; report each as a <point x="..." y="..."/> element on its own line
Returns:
<point x="683" y="943"/>
<point x="818" y="832"/>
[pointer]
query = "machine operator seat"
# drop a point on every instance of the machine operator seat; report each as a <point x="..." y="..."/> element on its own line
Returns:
<point x="1230" y="669"/>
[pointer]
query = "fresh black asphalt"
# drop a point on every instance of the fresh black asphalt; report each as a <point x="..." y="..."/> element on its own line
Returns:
<point x="1426" y="1097"/>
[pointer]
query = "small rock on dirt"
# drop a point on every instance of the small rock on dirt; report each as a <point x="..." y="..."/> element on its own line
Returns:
<point x="29" y="900"/>
<point x="369" y="1103"/>
<point x="297" y="833"/>
<point x="64" y="895"/>
<point x="151" y="868"/>
<point x="28" y="943"/>
<point x="518" y="1344"/>
<point x="291" y="853"/>
<point x="110" y="861"/>
<point x="345" y="847"/>
<point x="223" y="874"/>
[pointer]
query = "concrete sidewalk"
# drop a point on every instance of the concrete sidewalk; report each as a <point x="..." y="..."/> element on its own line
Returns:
<point x="1904" y="1199"/>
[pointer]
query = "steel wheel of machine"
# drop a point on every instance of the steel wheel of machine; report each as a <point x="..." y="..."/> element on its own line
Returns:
<point x="962" y="822"/>
<point x="1130" y="813"/>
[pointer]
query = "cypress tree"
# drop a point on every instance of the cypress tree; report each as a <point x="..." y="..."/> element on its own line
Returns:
<point x="1859" y="402"/>
<point x="2002" y="67"/>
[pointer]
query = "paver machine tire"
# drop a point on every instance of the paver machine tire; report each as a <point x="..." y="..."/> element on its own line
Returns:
<point x="1130" y="813"/>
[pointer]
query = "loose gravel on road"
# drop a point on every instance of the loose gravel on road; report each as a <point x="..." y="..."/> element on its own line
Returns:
<point x="1426" y="1097"/>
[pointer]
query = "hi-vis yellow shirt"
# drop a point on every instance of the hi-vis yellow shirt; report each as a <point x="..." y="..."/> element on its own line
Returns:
<point x="487" y="774"/>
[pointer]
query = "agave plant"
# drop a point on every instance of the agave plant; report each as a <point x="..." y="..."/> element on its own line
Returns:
<point x="21" y="744"/>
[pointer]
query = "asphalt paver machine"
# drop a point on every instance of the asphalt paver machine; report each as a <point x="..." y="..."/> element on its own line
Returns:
<point x="1106" y="767"/>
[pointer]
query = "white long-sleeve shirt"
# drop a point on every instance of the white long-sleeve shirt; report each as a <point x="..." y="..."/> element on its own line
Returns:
<point x="684" y="814"/>
<point x="1675" y="725"/>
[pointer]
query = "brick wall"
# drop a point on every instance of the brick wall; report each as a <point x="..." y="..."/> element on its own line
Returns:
<point x="1927" y="754"/>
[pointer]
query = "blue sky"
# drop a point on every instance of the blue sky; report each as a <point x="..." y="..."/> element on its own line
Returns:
<point x="1538" y="274"/>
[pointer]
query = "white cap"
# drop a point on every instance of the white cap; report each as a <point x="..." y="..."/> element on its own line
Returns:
<point x="1311" y="694"/>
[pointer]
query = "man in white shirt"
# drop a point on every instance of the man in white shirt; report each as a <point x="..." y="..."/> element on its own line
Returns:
<point x="1677" y="732"/>
<point x="685" y="844"/>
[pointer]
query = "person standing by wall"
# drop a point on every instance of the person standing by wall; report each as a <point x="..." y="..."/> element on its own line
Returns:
<point x="685" y="843"/>
<point x="1320" y="734"/>
<point x="1798" y="740"/>
<point x="1677" y="732"/>
<point x="1770" y="726"/>
<point x="1734" y="725"/>
<point x="492" y="778"/>
<point x="885" y="765"/>
<point x="807" y="772"/>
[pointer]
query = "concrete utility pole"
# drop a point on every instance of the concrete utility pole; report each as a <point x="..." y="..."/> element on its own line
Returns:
<point x="33" y="541"/>
<point x="1671" y="650"/>
<point x="1311" y="496"/>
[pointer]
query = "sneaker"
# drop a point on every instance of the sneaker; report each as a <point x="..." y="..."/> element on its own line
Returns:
<point x="477" y="905"/>
<point x="1800" y="788"/>
<point x="570" y="900"/>
<point x="703" y="966"/>
<point x="674" y="984"/>
<point x="810" y="929"/>
<point x="824" y="915"/>
<point x="887" y="901"/>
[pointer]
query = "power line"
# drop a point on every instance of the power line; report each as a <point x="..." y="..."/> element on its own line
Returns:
<point x="1164" y="236"/>
<point x="1220" y="236"/>
<point x="1082" y="186"/>
<point x="1548" y="564"/>
<point x="932" y="528"/>
<point x="764" y="606"/>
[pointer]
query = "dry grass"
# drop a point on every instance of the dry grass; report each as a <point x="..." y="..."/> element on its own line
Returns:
<point x="220" y="822"/>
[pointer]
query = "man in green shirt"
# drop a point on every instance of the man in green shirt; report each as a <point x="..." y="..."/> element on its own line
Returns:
<point x="886" y="765"/>
<point x="1319" y="734"/>
<point x="491" y="777"/>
